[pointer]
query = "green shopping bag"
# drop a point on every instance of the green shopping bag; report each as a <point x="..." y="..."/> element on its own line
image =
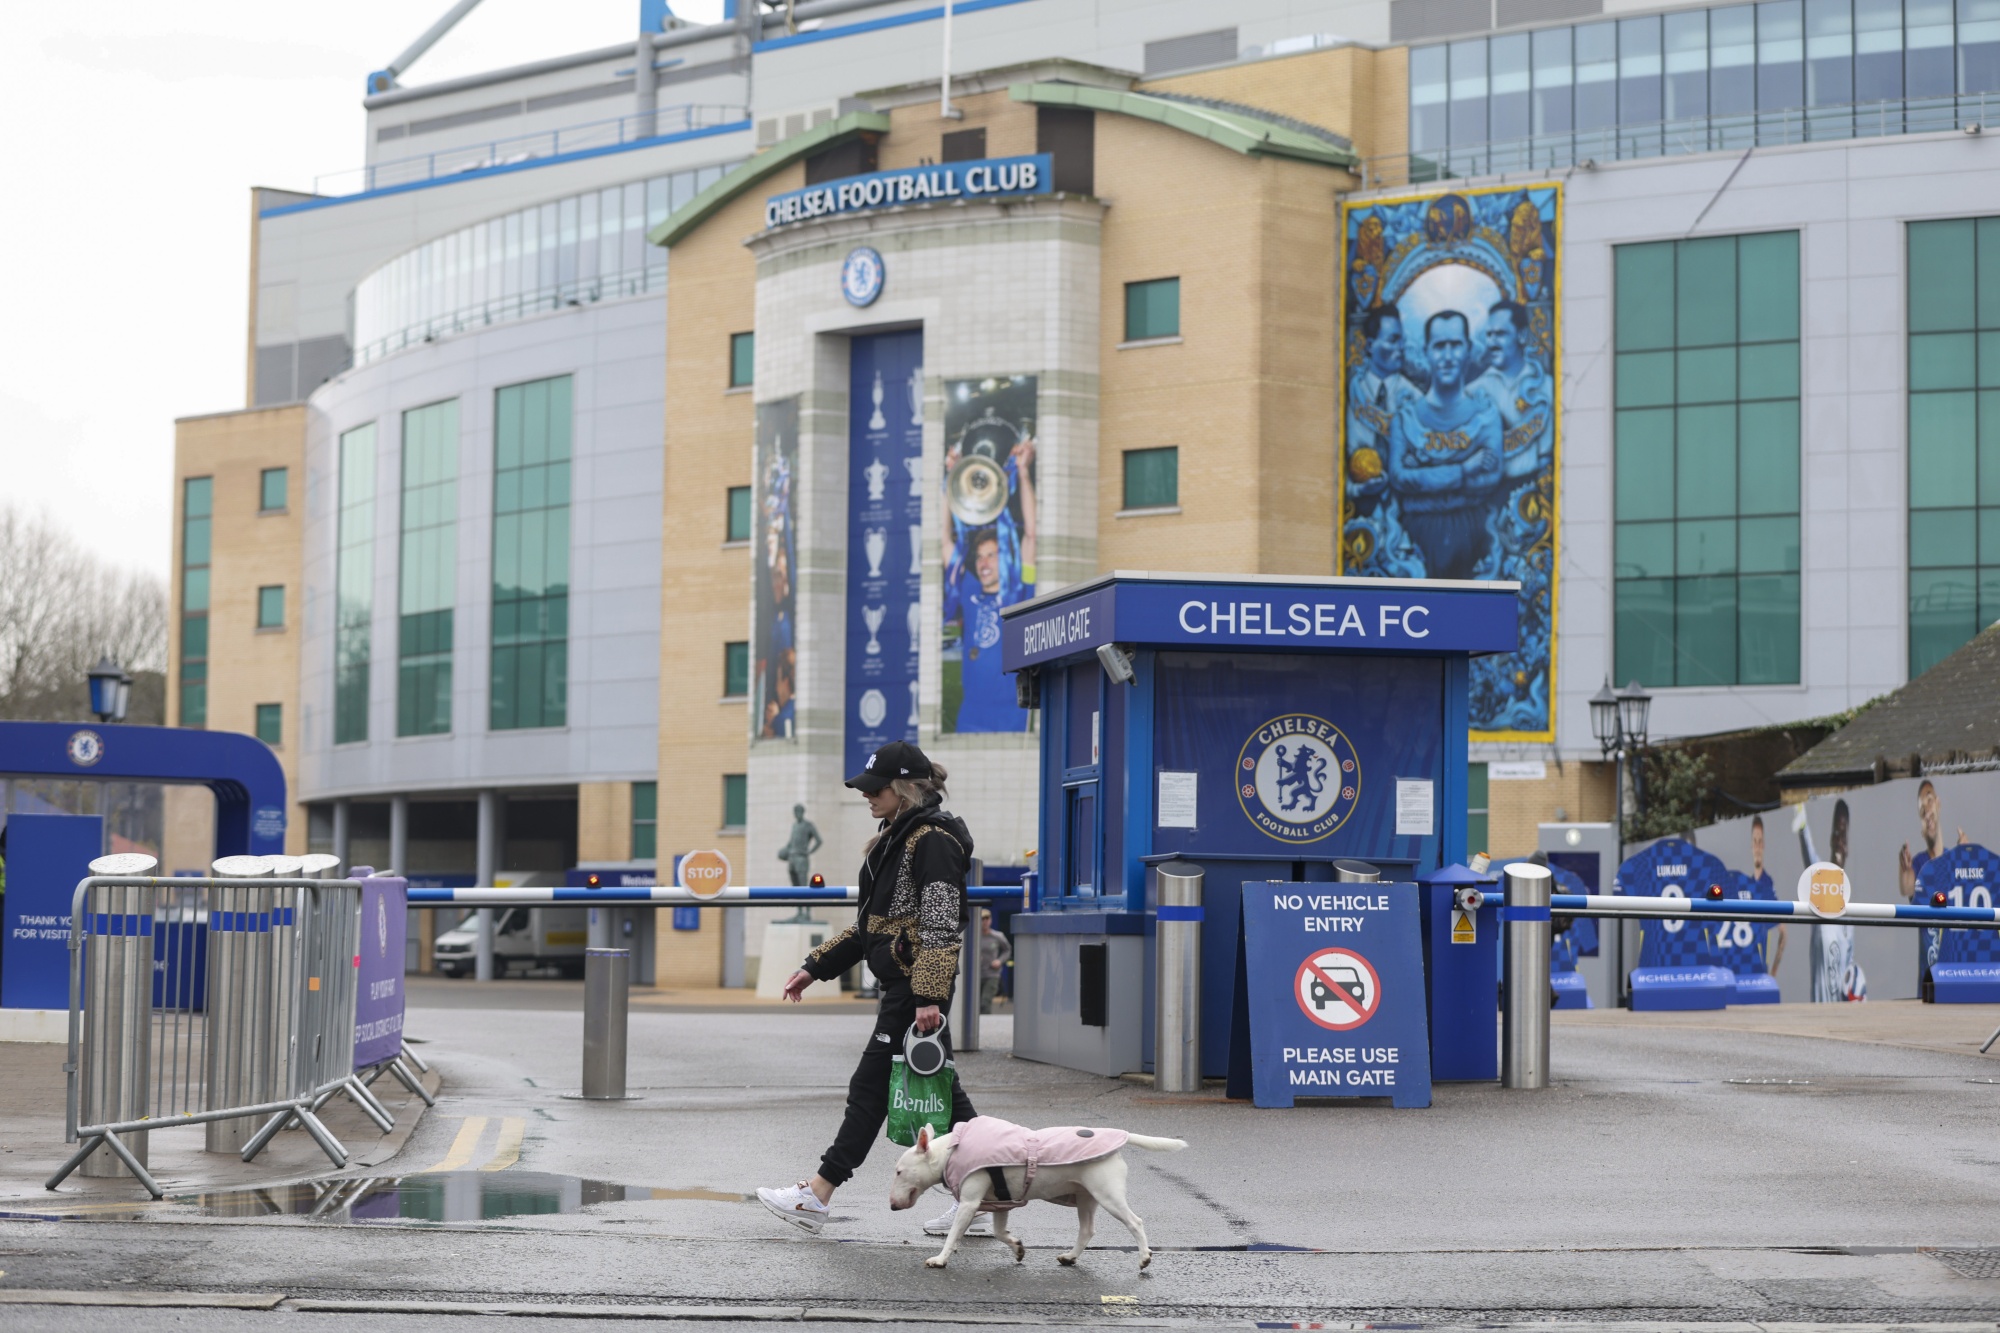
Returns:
<point x="916" y="1100"/>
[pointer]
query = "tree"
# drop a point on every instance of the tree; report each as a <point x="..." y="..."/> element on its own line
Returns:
<point x="1677" y="781"/>
<point x="61" y="608"/>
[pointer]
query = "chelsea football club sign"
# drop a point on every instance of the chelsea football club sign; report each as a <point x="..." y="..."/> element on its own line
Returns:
<point x="949" y="182"/>
<point x="1298" y="778"/>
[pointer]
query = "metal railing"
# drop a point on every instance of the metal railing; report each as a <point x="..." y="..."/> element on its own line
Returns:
<point x="517" y="148"/>
<point x="520" y="305"/>
<point x="1541" y="154"/>
<point x="220" y="1002"/>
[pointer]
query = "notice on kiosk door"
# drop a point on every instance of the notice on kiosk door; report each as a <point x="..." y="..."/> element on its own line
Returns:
<point x="1336" y="989"/>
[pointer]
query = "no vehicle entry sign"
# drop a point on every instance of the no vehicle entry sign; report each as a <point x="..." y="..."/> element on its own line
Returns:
<point x="1329" y="1020"/>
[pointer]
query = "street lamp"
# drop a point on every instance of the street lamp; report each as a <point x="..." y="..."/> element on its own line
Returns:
<point x="1619" y="721"/>
<point x="110" y="690"/>
<point x="1634" y="706"/>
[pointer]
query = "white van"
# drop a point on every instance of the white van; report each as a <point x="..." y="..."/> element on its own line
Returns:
<point x="525" y="939"/>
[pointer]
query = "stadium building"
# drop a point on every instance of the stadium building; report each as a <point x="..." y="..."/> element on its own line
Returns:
<point x="643" y="435"/>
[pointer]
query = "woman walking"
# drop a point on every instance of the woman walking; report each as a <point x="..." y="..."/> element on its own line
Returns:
<point x="908" y="929"/>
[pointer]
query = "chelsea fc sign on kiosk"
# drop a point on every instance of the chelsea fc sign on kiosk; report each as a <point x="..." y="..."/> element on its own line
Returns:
<point x="988" y="178"/>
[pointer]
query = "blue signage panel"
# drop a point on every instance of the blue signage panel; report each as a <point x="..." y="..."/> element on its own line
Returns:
<point x="46" y="856"/>
<point x="378" y="999"/>
<point x="987" y="178"/>
<point x="1967" y="967"/>
<point x="885" y="531"/>
<point x="1335" y="978"/>
<point x="1355" y="615"/>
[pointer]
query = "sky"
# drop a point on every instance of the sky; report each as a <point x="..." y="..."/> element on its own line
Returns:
<point x="136" y="133"/>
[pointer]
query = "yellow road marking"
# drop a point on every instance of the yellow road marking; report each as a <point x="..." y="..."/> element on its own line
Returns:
<point x="462" y="1146"/>
<point x="508" y="1150"/>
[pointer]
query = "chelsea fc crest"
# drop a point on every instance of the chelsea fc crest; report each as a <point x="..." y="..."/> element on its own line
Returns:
<point x="85" y="748"/>
<point x="861" y="276"/>
<point x="1298" y="779"/>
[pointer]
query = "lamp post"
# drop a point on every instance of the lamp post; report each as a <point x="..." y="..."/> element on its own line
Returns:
<point x="1619" y="720"/>
<point x="110" y="690"/>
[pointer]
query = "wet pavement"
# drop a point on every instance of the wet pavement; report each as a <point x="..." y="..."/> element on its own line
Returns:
<point x="1673" y="1174"/>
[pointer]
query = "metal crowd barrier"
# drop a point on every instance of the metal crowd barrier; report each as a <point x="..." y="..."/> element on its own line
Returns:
<point x="214" y="1001"/>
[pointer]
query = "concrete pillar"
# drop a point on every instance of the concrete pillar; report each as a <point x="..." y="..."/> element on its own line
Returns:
<point x="399" y="835"/>
<point x="486" y="869"/>
<point x="340" y="826"/>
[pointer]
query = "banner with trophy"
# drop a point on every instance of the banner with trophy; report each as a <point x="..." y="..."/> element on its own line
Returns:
<point x="989" y="543"/>
<point x="774" y="534"/>
<point x="885" y="540"/>
<point x="1450" y="416"/>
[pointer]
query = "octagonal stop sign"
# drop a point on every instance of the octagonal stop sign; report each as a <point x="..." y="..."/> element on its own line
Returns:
<point x="704" y="874"/>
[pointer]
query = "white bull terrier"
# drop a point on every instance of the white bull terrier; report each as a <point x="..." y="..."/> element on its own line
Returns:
<point x="992" y="1166"/>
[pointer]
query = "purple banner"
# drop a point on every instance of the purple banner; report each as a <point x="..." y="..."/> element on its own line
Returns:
<point x="378" y="987"/>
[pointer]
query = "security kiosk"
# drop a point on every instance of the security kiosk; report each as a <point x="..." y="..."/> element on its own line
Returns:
<point x="1256" y="729"/>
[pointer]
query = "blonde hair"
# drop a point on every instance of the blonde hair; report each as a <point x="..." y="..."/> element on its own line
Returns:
<point x="911" y="793"/>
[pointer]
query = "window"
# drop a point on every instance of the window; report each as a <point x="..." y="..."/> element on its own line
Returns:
<point x="735" y="670"/>
<point x="1476" y="835"/>
<point x="197" y="509"/>
<point x="735" y="799"/>
<point x="353" y="585"/>
<point x="1152" y="478"/>
<point x="428" y="574"/>
<point x="1706" y="453"/>
<point x="271" y="484"/>
<point x="742" y="360"/>
<point x="271" y="607"/>
<point x="739" y="514"/>
<point x="963" y="145"/>
<point x="271" y="724"/>
<point x="1152" y="309"/>
<point x="645" y="820"/>
<point x="530" y="679"/>
<point x="1954" y="408"/>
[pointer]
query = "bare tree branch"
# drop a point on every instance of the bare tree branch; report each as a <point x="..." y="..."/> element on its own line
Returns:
<point x="61" y="608"/>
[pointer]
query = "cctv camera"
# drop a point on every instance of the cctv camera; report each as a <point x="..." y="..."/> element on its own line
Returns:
<point x="1117" y="663"/>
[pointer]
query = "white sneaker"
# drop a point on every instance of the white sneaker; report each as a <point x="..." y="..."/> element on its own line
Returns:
<point x="941" y="1224"/>
<point x="798" y="1205"/>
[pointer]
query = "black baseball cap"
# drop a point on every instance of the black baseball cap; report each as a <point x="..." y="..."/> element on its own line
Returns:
<point x="897" y="759"/>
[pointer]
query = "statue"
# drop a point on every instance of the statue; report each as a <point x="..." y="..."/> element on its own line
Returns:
<point x="797" y="853"/>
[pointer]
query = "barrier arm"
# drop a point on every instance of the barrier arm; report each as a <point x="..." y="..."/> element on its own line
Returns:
<point x="1761" y="909"/>
<point x="666" y="895"/>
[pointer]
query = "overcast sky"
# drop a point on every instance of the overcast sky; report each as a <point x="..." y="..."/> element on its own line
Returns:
<point x="134" y="133"/>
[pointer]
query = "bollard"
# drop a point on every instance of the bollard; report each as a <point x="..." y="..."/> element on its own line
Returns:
<point x="1177" y="978"/>
<point x="1524" y="1006"/>
<point x="971" y="966"/>
<point x="118" y="1018"/>
<point x="607" y="974"/>
<point x="1349" y="871"/>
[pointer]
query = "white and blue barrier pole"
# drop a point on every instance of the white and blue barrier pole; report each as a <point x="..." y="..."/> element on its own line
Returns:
<point x="1754" y="909"/>
<point x="664" y="895"/>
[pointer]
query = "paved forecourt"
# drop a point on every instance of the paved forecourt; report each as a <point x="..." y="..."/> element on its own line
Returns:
<point x="1673" y="1172"/>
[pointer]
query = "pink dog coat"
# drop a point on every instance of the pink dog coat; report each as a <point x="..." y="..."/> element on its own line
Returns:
<point x="984" y="1142"/>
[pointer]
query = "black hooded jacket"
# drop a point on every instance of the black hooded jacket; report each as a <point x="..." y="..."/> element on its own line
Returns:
<point x="910" y="923"/>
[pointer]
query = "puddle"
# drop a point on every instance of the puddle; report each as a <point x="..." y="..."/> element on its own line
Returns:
<point x="444" y="1196"/>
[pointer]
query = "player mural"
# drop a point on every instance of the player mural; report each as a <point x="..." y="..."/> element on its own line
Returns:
<point x="775" y="535"/>
<point x="1449" y="419"/>
<point x="989" y="543"/>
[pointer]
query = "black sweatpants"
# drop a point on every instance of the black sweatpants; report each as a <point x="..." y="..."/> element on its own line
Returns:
<point x="868" y="1090"/>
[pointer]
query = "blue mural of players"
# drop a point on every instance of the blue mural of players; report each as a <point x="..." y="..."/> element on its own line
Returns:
<point x="775" y="596"/>
<point x="1450" y="416"/>
<point x="989" y="547"/>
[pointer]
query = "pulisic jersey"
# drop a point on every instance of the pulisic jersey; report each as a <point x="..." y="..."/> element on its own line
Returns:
<point x="1969" y="876"/>
<point x="1674" y="868"/>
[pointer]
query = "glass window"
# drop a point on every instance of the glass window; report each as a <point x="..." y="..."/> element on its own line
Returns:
<point x="428" y="570"/>
<point x="1152" y="478"/>
<point x="354" y="592"/>
<point x="1780" y="55"/>
<point x="1152" y="309"/>
<point x="1509" y="113"/>
<point x="1429" y="96"/>
<point x="271" y="607"/>
<point x="529" y="681"/>
<point x="739" y="514"/>
<point x="645" y="820"/>
<point x="1732" y="61"/>
<point x="742" y="359"/>
<point x="197" y="517"/>
<point x="1928" y="66"/>
<point x="1878" y="57"/>
<point x="1686" y="65"/>
<point x="1954" y="456"/>
<point x="1706" y="452"/>
<point x="735" y="670"/>
<point x="1468" y="91"/>
<point x="271" y="724"/>
<point x="1554" y="78"/>
<point x="1597" y="85"/>
<point x="271" y="489"/>
<point x="1476" y="836"/>
<point x="1639" y="72"/>
<point x="735" y="800"/>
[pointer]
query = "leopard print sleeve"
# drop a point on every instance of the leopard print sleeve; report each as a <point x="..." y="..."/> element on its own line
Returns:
<point x="935" y="972"/>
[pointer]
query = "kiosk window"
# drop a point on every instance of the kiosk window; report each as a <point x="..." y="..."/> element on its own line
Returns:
<point x="1092" y="985"/>
<point x="1475" y="809"/>
<point x="1080" y="870"/>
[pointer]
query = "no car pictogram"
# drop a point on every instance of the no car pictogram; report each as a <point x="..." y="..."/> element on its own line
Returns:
<point x="1337" y="989"/>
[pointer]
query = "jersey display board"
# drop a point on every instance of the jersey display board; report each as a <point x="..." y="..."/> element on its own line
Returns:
<point x="1334" y="980"/>
<point x="1967" y="970"/>
<point x="46" y="856"/>
<point x="1744" y="947"/>
<point x="1565" y="947"/>
<point x="1679" y="967"/>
